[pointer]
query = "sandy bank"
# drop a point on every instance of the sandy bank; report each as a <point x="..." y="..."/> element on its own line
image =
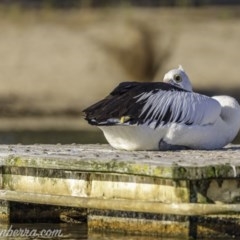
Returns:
<point x="54" y="64"/>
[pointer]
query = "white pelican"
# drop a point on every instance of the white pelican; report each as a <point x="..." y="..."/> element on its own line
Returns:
<point x="165" y="115"/>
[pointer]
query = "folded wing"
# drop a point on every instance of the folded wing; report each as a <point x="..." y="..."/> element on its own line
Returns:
<point x="153" y="104"/>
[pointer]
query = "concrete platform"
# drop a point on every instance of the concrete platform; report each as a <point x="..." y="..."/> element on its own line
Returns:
<point x="172" y="194"/>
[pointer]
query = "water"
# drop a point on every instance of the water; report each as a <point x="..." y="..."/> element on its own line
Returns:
<point x="57" y="136"/>
<point x="62" y="231"/>
<point x="65" y="231"/>
<point x="44" y="231"/>
<point x="51" y="137"/>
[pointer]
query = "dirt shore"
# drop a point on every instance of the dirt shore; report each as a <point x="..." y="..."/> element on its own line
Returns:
<point x="56" y="63"/>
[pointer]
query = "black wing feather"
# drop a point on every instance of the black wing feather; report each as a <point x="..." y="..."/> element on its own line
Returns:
<point x="122" y="101"/>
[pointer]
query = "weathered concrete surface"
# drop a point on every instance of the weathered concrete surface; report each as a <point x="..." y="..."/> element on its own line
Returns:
<point x="189" y="164"/>
<point x="158" y="190"/>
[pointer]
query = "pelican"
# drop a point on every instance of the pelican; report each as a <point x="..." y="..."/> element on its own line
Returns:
<point x="165" y="115"/>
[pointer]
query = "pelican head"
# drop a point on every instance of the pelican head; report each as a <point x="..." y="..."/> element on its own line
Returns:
<point x="178" y="78"/>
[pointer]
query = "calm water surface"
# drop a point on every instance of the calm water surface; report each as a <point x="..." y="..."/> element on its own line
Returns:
<point x="51" y="137"/>
<point x="57" y="136"/>
<point x="61" y="232"/>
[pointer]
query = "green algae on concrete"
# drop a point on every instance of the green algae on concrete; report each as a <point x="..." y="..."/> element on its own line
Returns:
<point x="4" y="212"/>
<point x="101" y="158"/>
<point x="138" y="225"/>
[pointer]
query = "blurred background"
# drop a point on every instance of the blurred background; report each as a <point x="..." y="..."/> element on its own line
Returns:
<point x="59" y="56"/>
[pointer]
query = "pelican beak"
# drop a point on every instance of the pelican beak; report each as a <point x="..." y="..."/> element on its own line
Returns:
<point x="170" y="81"/>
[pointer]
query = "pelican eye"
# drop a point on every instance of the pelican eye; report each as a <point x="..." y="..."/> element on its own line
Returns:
<point x="177" y="78"/>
